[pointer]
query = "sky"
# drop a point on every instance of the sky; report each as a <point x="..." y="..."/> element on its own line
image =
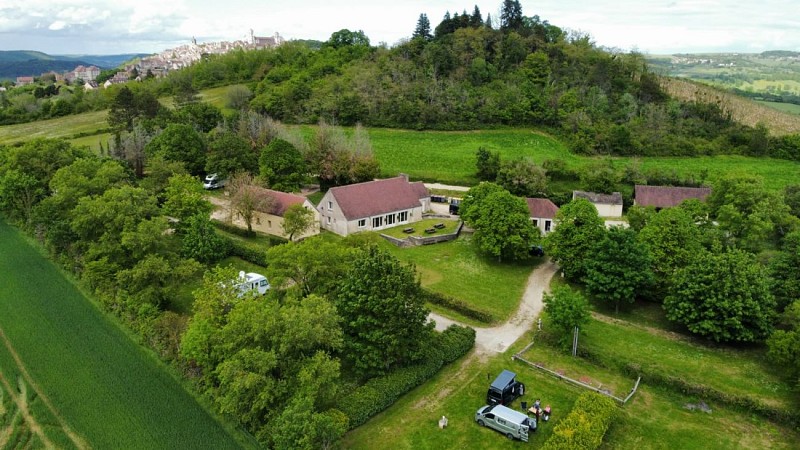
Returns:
<point x="649" y="26"/>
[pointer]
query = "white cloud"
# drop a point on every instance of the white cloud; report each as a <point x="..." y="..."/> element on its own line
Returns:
<point x="656" y="26"/>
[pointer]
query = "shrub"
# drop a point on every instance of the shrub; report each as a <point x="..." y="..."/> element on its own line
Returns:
<point x="584" y="426"/>
<point x="379" y="393"/>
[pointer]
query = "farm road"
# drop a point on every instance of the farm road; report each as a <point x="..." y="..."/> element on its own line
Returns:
<point x="498" y="339"/>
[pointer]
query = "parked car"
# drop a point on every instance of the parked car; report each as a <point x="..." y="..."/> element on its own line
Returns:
<point x="536" y="250"/>
<point x="504" y="389"/>
<point x="513" y="424"/>
<point x="213" y="181"/>
<point x="455" y="204"/>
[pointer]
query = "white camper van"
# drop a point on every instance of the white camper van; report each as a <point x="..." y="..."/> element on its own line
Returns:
<point x="252" y="282"/>
<point x="513" y="424"/>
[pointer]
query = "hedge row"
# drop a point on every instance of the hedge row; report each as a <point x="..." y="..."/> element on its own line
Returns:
<point x="744" y="403"/>
<point x="584" y="426"/>
<point x="456" y="305"/>
<point x="379" y="393"/>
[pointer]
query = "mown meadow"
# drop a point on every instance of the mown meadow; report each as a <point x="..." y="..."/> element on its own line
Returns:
<point x="102" y="385"/>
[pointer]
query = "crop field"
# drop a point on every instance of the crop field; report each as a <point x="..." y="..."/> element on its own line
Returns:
<point x="71" y="376"/>
<point x="63" y="127"/>
<point x="456" y="269"/>
<point x="790" y="108"/>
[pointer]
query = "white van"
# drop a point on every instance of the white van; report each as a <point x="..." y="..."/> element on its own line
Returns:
<point x="513" y="424"/>
<point x="252" y="282"/>
<point x="213" y="181"/>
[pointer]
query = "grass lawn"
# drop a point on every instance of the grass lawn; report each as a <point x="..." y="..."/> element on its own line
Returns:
<point x="734" y="371"/>
<point x="450" y="226"/>
<point x="100" y="383"/>
<point x="456" y="269"/>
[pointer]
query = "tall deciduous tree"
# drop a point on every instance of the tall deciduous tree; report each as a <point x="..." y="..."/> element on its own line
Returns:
<point x="200" y="240"/>
<point x="185" y="198"/>
<point x="470" y="206"/>
<point x="566" y="309"/>
<point x="784" y="344"/>
<point x="522" y="177"/>
<point x="503" y="228"/>
<point x="383" y="314"/>
<point x="784" y="269"/>
<point x="618" y="267"/>
<point x="180" y="142"/>
<point x="282" y="166"/>
<point x="314" y="265"/>
<point x="229" y="154"/>
<point x="245" y="199"/>
<point x="297" y="219"/>
<point x="577" y="232"/>
<point x="488" y="164"/>
<point x="724" y="297"/>
<point x="673" y="240"/>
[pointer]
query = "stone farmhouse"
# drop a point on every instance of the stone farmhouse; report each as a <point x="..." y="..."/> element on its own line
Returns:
<point x="374" y="205"/>
<point x="667" y="196"/>
<point x="269" y="219"/>
<point x="543" y="214"/>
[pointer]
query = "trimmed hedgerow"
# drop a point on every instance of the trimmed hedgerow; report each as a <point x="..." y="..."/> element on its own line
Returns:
<point x="379" y="393"/>
<point x="456" y="305"/>
<point x="584" y="426"/>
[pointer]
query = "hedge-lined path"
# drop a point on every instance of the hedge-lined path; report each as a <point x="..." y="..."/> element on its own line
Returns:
<point x="498" y="339"/>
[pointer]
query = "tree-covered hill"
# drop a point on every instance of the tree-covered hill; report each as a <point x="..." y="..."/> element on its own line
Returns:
<point x="467" y="73"/>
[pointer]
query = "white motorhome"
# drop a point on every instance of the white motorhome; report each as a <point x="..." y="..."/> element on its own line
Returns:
<point x="251" y="281"/>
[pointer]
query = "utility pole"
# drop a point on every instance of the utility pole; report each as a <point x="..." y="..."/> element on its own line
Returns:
<point x="575" y="343"/>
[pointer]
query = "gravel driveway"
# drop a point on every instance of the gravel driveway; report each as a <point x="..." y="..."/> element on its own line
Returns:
<point x="498" y="339"/>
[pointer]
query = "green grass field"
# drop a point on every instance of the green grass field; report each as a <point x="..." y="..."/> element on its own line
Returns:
<point x="102" y="386"/>
<point x="62" y="127"/>
<point x="456" y="269"/>
<point x="449" y="157"/>
<point x="653" y="419"/>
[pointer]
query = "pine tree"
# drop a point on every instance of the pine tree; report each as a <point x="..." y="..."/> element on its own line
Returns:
<point x="476" y="20"/>
<point x="423" y="29"/>
<point x="511" y="15"/>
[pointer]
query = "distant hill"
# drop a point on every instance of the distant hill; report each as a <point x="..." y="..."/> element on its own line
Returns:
<point x="16" y="63"/>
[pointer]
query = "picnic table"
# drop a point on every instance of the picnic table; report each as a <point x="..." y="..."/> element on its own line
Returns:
<point x="439" y="226"/>
<point x="408" y="230"/>
<point x="430" y="230"/>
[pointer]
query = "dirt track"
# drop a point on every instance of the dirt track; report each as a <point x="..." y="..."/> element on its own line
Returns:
<point x="498" y="339"/>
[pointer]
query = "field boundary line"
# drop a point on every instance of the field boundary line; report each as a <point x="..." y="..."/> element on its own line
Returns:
<point x="74" y="437"/>
<point x="22" y="408"/>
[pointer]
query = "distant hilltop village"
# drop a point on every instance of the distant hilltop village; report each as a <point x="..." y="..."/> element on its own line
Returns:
<point x="161" y="64"/>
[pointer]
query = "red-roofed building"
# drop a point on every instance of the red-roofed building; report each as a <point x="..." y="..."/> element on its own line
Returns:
<point x="269" y="220"/>
<point x="22" y="81"/>
<point x="667" y="196"/>
<point x="543" y="214"/>
<point x="374" y="205"/>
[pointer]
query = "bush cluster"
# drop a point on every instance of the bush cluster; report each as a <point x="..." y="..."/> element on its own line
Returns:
<point x="585" y="426"/>
<point x="379" y="393"/>
<point x="456" y="305"/>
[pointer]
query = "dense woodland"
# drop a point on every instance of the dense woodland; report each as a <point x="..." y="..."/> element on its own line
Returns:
<point x="133" y="222"/>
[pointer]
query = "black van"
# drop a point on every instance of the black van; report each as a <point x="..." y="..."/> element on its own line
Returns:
<point x="504" y="389"/>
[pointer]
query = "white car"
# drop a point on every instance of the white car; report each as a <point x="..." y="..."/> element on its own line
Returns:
<point x="213" y="181"/>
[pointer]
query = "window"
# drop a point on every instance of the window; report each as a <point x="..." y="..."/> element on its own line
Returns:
<point x="329" y="220"/>
<point x="377" y="222"/>
<point x="269" y="223"/>
<point x="262" y="283"/>
<point x="547" y="225"/>
<point x="389" y="219"/>
<point x="258" y="220"/>
<point x="330" y="206"/>
<point x="535" y="222"/>
<point x="402" y="217"/>
<point x="362" y="223"/>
